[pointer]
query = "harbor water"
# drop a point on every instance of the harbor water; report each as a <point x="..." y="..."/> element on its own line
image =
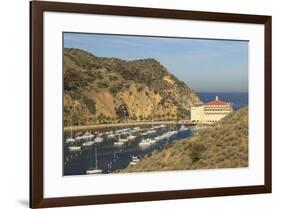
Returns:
<point x="110" y="157"/>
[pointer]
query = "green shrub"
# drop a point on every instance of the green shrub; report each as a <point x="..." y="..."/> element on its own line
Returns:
<point x="113" y="78"/>
<point x="99" y="76"/>
<point x="76" y="95"/>
<point x="122" y="111"/>
<point x="115" y="89"/>
<point x="90" y="103"/>
<point x="102" y="84"/>
<point x="196" y="150"/>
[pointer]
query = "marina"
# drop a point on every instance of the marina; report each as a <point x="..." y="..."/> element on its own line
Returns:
<point x="105" y="151"/>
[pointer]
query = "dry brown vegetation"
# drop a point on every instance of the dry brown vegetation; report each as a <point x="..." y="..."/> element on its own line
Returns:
<point x="225" y="145"/>
<point x="109" y="90"/>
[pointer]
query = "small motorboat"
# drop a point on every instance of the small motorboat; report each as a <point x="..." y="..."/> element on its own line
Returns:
<point x="98" y="139"/>
<point x="119" y="143"/>
<point x="69" y="140"/>
<point x="183" y="128"/>
<point x="135" y="160"/>
<point x="88" y="144"/>
<point x="111" y="136"/>
<point x="74" y="148"/>
<point x="146" y="142"/>
<point x="131" y="137"/>
<point x="151" y="132"/>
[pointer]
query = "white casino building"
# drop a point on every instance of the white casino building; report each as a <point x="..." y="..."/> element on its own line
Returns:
<point x="210" y="112"/>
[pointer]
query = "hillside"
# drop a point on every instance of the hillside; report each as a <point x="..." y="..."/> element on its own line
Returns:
<point x="223" y="146"/>
<point x="105" y="90"/>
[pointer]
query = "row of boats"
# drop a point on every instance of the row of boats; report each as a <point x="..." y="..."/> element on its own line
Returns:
<point x="167" y="135"/>
<point x="121" y="137"/>
<point x="143" y="137"/>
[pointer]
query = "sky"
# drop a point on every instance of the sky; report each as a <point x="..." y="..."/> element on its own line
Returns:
<point x="203" y="64"/>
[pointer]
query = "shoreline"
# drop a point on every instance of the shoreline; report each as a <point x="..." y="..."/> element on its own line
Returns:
<point x="116" y="125"/>
<point x="131" y="124"/>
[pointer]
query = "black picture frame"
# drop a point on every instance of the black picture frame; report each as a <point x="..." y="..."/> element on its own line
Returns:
<point x="37" y="8"/>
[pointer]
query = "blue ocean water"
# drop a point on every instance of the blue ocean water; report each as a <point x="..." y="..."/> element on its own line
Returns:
<point x="237" y="99"/>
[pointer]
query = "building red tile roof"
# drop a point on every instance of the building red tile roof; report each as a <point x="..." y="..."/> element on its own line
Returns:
<point x="216" y="102"/>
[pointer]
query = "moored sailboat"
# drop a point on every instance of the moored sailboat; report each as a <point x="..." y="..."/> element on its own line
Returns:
<point x="95" y="170"/>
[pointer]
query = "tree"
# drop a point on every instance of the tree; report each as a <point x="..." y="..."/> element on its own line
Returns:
<point x="122" y="111"/>
<point x="134" y="117"/>
<point x="90" y="103"/>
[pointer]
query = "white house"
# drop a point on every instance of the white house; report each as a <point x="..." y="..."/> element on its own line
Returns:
<point x="210" y="112"/>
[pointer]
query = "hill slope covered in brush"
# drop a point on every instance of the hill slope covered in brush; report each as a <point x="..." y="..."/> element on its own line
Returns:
<point x="223" y="146"/>
<point x="105" y="90"/>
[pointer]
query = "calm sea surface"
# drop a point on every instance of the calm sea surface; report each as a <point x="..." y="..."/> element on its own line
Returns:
<point x="238" y="99"/>
<point x="110" y="157"/>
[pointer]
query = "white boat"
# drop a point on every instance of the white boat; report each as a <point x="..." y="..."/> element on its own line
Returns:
<point x="98" y="139"/>
<point x="119" y="143"/>
<point x="111" y="136"/>
<point x="78" y="138"/>
<point x="171" y="133"/>
<point x="78" y="134"/>
<point x="159" y="138"/>
<point x="69" y="140"/>
<point x="144" y="133"/>
<point x="125" y="133"/>
<point x="86" y="136"/>
<point x="154" y="127"/>
<point x="88" y="144"/>
<point x="95" y="170"/>
<point x="183" y="128"/>
<point x="131" y="137"/>
<point x="147" y="142"/>
<point x="123" y="130"/>
<point x="74" y="148"/>
<point x="124" y="140"/>
<point x="87" y="133"/>
<point x="151" y="132"/>
<point x="135" y="160"/>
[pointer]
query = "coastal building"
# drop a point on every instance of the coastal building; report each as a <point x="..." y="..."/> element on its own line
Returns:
<point x="210" y="112"/>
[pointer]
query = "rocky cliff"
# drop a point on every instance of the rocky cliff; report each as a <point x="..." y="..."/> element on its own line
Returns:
<point x="106" y="90"/>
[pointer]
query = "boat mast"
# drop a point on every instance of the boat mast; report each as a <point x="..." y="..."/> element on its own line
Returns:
<point x="96" y="157"/>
